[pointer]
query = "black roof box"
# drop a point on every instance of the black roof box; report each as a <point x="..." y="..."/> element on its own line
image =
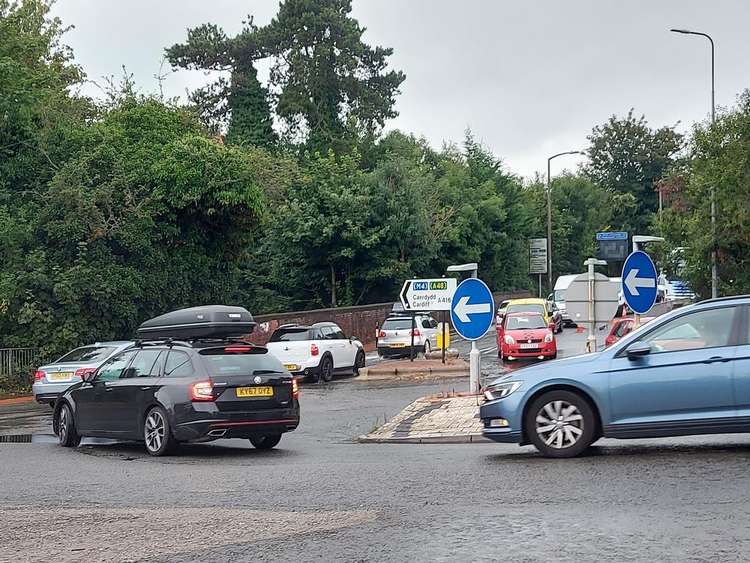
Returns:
<point x="208" y="321"/>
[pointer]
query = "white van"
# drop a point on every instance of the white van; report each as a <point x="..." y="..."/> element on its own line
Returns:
<point x="558" y="297"/>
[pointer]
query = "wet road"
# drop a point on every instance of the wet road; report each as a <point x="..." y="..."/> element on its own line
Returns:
<point x="321" y="496"/>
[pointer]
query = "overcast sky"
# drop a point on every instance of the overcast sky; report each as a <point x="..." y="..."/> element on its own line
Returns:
<point x="529" y="78"/>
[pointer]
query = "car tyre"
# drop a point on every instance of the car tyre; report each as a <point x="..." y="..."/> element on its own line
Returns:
<point x="560" y="424"/>
<point x="157" y="433"/>
<point x="359" y="362"/>
<point x="326" y="369"/>
<point x="265" y="442"/>
<point x="67" y="433"/>
<point x="427" y="348"/>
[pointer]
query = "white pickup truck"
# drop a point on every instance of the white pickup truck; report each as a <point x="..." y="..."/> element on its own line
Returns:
<point x="318" y="351"/>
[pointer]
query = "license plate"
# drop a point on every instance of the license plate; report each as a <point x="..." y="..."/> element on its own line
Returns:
<point x="397" y="345"/>
<point x="528" y="346"/>
<point x="60" y="376"/>
<point x="255" y="391"/>
<point x="291" y="367"/>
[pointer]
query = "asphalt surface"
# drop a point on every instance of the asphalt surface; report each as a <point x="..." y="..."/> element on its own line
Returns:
<point x="322" y="496"/>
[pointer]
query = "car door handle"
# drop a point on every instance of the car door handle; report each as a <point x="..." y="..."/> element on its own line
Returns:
<point x="714" y="359"/>
<point x="108" y="389"/>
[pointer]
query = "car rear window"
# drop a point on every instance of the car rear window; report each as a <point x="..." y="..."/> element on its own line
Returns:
<point x="529" y="322"/>
<point x="397" y="324"/>
<point x="290" y="335"/>
<point x="254" y="361"/>
<point x="88" y="354"/>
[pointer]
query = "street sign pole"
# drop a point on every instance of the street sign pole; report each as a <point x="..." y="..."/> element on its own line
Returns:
<point x="591" y="338"/>
<point x="475" y="359"/>
<point x="443" y="347"/>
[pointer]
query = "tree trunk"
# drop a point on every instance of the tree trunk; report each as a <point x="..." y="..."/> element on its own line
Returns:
<point x="334" y="303"/>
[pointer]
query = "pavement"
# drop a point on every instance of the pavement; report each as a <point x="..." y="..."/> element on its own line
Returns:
<point x="322" y="495"/>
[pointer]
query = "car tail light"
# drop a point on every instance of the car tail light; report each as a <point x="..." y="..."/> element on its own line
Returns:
<point x="314" y="350"/>
<point x="238" y="349"/>
<point x="202" y="391"/>
<point x="381" y="334"/>
<point x="295" y="388"/>
<point x="83" y="372"/>
<point x="39" y="375"/>
<point x="416" y="332"/>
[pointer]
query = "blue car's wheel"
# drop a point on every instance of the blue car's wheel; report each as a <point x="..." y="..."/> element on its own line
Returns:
<point x="560" y="424"/>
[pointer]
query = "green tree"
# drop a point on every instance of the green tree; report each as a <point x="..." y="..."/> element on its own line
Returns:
<point x="240" y="104"/>
<point x="627" y="157"/>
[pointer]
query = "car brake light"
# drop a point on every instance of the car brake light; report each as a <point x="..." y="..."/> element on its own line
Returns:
<point x="381" y="334"/>
<point x="83" y="372"/>
<point x="202" y="391"/>
<point x="39" y="375"/>
<point x="416" y="332"/>
<point x="238" y="349"/>
<point x="295" y="388"/>
<point x="314" y="349"/>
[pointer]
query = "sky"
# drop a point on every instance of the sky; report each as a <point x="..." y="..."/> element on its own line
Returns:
<point x="529" y="78"/>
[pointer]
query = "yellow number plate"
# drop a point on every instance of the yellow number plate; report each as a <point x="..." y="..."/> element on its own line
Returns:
<point x="397" y="345"/>
<point x="59" y="376"/>
<point x="292" y="367"/>
<point x="255" y="391"/>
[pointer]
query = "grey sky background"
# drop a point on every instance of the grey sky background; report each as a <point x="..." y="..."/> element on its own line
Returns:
<point x="529" y="78"/>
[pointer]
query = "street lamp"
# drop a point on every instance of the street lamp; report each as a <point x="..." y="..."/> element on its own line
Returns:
<point x="549" y="215"/>
<point x="714" y="266"/>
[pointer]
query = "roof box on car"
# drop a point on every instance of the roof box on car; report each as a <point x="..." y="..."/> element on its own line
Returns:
<point x="209" y="321"/>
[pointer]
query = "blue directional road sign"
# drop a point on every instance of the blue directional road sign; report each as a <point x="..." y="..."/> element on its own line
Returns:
<point x="639" y="282"/>
<point x="472" y="309"/>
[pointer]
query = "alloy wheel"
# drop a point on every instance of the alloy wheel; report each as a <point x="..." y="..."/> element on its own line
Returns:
<point x="62" y="424"/>
<point x="559" y="424"/>
<point x="155" y="430"/>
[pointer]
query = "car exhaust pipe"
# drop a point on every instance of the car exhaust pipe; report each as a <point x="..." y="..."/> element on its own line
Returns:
<point x="218" y="433"/>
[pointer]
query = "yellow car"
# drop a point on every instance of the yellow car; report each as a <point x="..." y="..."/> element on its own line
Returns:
<point x="534" y="305"/>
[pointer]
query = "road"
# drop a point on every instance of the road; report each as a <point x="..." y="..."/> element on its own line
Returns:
<point x="321" y="496"/>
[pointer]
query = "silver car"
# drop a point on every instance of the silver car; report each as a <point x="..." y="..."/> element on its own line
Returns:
<point x="54" y="379"/>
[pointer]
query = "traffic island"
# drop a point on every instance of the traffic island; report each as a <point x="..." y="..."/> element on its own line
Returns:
<point x="418" y="369"/>
<point x="449" y="418"/>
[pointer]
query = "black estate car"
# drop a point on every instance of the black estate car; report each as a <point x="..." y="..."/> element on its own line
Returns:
<point x="202" y="384"/>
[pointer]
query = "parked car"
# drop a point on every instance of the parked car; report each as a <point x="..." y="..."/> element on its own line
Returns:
<point x="318" y="351"/>
<point x="395" y="335"/>
<point x="53" y="379"/>
<point x="206" y="386"/>
<point x="622" y="326"/>
<point x="500" y="313"/>
<point x="683" y="373"/>
<point x="534" y="305"/>
<point x="526" y="335"/>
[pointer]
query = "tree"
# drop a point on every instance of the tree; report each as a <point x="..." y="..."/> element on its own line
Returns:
<point x="241" y="104"/>
<point x="627" y="157"/>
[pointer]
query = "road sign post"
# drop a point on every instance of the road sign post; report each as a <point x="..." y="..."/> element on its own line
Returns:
<point x="538" y="259"/>
<point x="472" y="314"/>
<point x="591" y="300"/>
<point x="639" y="286"/>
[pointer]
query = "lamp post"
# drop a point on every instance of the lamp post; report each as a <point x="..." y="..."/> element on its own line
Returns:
<point x="714" y="266"/>
<point x="549" y="215"/>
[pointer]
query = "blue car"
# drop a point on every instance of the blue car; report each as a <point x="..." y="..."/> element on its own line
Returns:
<point x="687" y="372"/>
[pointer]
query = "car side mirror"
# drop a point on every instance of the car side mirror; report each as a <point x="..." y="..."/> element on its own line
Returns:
<point x="638" y="350"/>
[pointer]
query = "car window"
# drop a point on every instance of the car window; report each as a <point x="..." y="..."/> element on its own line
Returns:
<point x="503" y="304"/>
<point x="701" y="329"/>
<point x="295" y="334"/>
<point x="623" y="328"/>
<point x="256" y="360"/>
<point x="426" y="323"/>
<point x="178" y="364"/>
<point x="531" y="308"/>
<point x="397" y="324"/>
<point x="112" y="369"/>
<point x="525" y="322"/>
<point x="144" y="365"/>
<point x="88" y="354"/>
<point x="330" y="333"/>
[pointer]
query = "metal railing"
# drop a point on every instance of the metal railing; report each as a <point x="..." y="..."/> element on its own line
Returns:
<point x="17" y="362"/>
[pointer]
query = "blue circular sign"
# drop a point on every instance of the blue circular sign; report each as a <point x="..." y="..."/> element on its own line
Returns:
<point x="472" y="309"/>
<point x="639" y="282"/>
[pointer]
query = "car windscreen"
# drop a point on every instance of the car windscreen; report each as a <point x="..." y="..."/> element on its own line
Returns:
<point x="397" y="324"/>
<point x="525" y="322"/>
<point x="290" y="335"/>
<point x="88" y="354"/>
<point x="251" y="362"/>
<point x="559" y="296"/>
<point x="530" y="308"/>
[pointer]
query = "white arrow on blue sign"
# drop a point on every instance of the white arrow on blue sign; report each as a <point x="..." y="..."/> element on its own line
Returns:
<point x="639" y="282"/>
<point x="472" y="309"/>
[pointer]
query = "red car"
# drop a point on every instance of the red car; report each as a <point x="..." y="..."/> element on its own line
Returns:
<point x="526" y="335"/>
<point x="620" y="327"/>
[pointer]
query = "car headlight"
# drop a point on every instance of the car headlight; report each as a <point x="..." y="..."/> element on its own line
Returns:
<point x="509" y="339"/>
<point x="548" y="338"/>
<point x="501" y="390"/>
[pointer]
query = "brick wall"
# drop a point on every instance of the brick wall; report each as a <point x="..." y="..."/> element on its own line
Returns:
<point x="358" y="321"/>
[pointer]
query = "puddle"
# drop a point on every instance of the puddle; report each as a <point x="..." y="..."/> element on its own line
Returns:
<point x="47" y="439"/>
